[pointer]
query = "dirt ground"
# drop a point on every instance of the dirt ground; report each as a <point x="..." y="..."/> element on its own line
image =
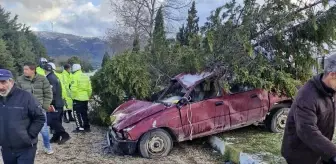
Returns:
<point x="89" y="149"/>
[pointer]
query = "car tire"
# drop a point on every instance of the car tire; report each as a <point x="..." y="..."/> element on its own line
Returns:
<point x="277" y="122"/>
<point x="155" y="144"/>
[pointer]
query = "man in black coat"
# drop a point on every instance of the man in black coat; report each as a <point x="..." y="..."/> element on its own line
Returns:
<point x="21" y="120"/>
<point x="60" y="136"/>
<point x="311" y="121"/>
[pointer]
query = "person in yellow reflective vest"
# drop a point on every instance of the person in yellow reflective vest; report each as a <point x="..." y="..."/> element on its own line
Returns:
<point x="68" y="100"/>
<point x="39" y="69"/>
<point x="81" y="93"/>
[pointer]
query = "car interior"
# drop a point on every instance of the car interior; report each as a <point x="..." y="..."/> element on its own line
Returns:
<point x="205" y="90"/>
<point x="239" y="88"/>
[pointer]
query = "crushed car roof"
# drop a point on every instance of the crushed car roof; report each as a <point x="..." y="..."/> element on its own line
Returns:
<point x="189" y="80"/>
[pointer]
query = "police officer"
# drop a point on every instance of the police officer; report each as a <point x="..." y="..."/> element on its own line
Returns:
<point x="81" y="92"/>
<point x="42" y="63"/>
<point x="67" y="77"/>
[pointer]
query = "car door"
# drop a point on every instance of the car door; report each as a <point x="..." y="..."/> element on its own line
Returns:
<point x="198" y="115"/>
<point x="256" y="105"/>
<point x="244" y="105"/>
<point x="238" y="108"/>
<point x="222" y="114"/>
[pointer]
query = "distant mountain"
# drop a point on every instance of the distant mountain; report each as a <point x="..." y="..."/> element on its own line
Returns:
<point x="67" y="45"/>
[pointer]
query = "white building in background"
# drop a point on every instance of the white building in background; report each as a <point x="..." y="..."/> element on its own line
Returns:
<point x="320" y="63"/>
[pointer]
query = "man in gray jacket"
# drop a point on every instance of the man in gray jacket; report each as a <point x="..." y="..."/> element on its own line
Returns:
<point x="40" y="87"/>
<point x="21" y="119"/>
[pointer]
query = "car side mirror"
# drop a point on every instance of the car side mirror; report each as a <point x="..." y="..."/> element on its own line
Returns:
<point x="183" y="101"/>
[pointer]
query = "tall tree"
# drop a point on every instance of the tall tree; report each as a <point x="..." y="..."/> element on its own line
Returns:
<point x="159" y="47"/>
<point x="192" y="21"/>
<point x="21" y="43"/>
<point x="6" y="59"/>
<point x="190" y="34"/>
<point x="106" y="58"/>
<point x="85" y="63"/>
<point x="159" y="35"/>
<point x="74" y="60"/>
<point x="136" y="43"/>
<point x="181" y="36"/>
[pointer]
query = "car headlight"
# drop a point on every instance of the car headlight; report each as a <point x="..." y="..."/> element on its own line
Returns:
<point x="112" y="118"/>
<point x="116" y="118"/>
<point x="119" y="135"/>
<point x="125" y="135"/>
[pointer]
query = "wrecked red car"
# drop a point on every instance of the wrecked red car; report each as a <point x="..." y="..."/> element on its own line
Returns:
<point x="192" y="106"/>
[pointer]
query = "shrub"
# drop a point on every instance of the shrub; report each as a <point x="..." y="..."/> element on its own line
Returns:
<point x="124" y="75"/>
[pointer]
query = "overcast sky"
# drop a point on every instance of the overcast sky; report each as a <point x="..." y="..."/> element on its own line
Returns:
<point x="80" y="17"/>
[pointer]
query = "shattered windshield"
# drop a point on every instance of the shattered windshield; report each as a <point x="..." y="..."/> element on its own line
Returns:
<point x="173" y="94"/>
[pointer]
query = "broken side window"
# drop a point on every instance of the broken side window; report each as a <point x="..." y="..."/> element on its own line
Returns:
<point x="175" y="90"/>
<point x="206" y="90"/>
<point x="238" y="88"/>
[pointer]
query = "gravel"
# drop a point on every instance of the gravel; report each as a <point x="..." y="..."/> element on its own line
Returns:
<point x="89" y="149"/>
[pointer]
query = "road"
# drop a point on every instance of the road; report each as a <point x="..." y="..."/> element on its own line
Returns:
<point x="89" y="149"/>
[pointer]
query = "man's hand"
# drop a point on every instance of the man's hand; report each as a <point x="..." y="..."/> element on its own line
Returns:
<point x="65" y="103"/>
<point x="51" y="108"/>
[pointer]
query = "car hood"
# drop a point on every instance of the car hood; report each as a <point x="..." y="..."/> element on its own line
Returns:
<point x="134" y="111"/>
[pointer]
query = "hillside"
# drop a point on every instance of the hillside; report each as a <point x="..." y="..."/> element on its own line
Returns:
<point x="61" y="45"/>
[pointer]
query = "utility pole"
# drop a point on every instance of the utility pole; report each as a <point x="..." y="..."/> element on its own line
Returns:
<point x="52" y="26"/>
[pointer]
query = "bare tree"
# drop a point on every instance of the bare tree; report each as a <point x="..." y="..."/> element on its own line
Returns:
<point x="120" y="39"/>
<point x="140" y="14"/>
<point x="130" y="15"/>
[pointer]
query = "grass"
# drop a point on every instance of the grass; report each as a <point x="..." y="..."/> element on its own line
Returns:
<point x="259" y="142"/>
<point x="256" y="141"/>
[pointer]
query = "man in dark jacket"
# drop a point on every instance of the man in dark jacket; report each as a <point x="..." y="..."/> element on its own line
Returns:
<point x="21" y="120"/>
<point x="60" y="136"/>
<point x="311" y="121"/>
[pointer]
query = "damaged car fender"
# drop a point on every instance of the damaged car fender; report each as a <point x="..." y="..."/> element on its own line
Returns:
<point x="168" y="120"/>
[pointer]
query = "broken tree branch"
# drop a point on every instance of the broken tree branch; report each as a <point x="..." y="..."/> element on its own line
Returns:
<point x="273" y="24"/>
<point x="292" y="28"/>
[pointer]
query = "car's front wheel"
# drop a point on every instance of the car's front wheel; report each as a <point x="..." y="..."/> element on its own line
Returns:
<point x="278" y="121"/>
<point x="155" y="143"/>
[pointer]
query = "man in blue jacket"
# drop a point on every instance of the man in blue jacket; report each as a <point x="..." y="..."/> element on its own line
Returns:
<point x="21" y="120"/>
